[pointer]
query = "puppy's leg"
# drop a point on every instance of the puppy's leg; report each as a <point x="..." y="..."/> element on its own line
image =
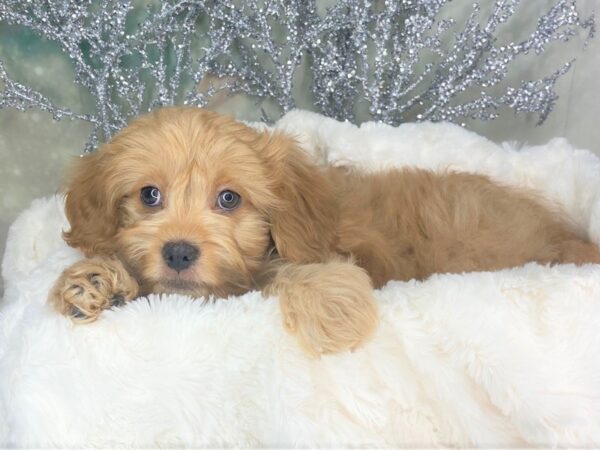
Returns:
<point x="579" y="252"/>
<point x="88" y="287"/>
<point x="329" y="306"/>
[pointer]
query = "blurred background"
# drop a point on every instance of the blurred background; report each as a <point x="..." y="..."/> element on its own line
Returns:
<point x="34" y="149"/>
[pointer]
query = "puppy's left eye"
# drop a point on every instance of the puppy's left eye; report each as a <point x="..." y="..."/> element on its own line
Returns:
<point x="151" y="196"/>
<point x="228" y="200"/>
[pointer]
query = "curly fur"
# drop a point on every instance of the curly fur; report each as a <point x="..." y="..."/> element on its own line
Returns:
<point x="304" y="232"/>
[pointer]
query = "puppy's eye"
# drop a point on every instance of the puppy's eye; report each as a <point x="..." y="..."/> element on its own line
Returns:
<point x="151" y="196"/>
<point x="228" y="200"/>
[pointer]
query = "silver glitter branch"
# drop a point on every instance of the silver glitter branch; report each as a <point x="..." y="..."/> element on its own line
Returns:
<point x="18" y="96"/>
<point x="385" y="60"/>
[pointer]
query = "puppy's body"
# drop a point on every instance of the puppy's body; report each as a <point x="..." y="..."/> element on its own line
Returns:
<point x="405" y="224"/>
<point x="184" y="200"/>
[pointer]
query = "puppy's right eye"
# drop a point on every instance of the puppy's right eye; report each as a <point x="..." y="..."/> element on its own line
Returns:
<point x="151" y="196"/>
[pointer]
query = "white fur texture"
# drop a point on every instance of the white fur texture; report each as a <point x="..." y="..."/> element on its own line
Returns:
<point x="509" y="358"/>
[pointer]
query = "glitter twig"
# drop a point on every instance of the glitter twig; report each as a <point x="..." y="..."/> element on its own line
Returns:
<point x="384" y="60"/>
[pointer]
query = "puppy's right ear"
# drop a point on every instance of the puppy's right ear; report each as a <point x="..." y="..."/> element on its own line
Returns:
<point x="303" y="225"/>
<point x="92" y="204"/>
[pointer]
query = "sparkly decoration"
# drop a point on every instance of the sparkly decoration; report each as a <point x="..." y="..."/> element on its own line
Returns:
<point x="384" y="60"/>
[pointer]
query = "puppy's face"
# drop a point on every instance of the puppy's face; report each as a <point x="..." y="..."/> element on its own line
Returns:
<point x="192" y="201"/>
<point x="194" y="207"/>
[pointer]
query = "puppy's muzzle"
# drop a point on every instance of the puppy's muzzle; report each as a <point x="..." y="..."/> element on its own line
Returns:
<point x="180" y="255"/>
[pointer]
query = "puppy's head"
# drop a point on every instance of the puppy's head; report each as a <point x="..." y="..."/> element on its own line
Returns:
<point x="193" y="202"/>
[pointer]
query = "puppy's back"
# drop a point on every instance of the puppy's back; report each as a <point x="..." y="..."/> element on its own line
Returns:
<point x="411" y="223"/>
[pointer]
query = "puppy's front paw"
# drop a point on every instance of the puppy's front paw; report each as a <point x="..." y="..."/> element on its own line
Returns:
<point x="88" y="287"/>
<point x="329" y="307"/>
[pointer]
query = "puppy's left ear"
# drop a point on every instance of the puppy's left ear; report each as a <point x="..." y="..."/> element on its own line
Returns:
<point x="304" y="224"/>
<point x="91" y="203"/>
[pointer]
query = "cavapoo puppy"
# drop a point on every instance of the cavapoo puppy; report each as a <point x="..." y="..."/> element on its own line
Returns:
<point x="187" y="201"/>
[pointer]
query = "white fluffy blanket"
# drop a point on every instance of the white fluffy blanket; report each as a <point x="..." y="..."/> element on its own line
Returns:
<point x="510" y="358"/>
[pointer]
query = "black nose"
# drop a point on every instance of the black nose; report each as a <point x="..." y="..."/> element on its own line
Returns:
<point x="179" y="255"/>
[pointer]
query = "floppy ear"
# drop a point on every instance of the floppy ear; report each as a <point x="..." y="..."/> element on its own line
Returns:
<point x="91" y="206"/>
<point x="303" y="226"/>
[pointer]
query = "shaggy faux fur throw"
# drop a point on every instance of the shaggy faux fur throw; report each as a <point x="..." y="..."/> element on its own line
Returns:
<point x="509" y="358"/>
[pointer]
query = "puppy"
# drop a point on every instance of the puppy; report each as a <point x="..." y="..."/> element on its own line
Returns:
<point x="187" y="201"/>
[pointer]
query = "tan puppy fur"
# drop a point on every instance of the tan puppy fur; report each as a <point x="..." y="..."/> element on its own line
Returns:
<point x="92" y="285"/>
<point x="305" y="233"/>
